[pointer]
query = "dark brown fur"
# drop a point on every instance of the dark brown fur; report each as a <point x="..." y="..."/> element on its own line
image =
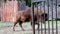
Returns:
<point x="26" y="16"/>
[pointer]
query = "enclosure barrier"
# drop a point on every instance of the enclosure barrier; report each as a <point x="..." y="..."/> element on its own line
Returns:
<point x="43" y="5"/>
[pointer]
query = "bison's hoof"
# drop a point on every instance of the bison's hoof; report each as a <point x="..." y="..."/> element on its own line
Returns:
<point x="13" y="29"/>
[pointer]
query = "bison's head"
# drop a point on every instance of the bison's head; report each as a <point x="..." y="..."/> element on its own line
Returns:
<point x="44" y="17"/>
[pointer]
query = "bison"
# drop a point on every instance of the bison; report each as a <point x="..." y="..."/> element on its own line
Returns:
<point x="26" y="16"/>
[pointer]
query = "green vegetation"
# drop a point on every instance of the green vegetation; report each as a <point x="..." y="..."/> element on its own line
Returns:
<point x="0" y="0"/>
<point x="58" y="21"/>
<point x="46" y="22"/>
<point x="28" y="2"/>
<point x="3" y="24"/>
<point x="27" y="23"/>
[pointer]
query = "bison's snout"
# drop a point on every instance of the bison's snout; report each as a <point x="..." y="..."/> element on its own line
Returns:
<point x="45" y="16"/>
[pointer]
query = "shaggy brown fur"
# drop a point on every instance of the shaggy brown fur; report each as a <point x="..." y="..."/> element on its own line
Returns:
<point x="26" y="16"/>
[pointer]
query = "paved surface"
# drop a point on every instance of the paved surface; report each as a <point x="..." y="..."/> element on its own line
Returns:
<point x="28" y="29"/>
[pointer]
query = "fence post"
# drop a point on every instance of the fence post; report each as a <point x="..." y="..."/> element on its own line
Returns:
<point x="33" y="23"/>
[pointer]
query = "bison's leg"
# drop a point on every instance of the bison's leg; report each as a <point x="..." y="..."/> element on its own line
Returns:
<point x="14" y="26"/>
<point x="31" y="23"/>
<point x="20" y="24"/>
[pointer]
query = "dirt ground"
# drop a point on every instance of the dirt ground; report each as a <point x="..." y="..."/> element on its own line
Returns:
<point x="28" y="29"/>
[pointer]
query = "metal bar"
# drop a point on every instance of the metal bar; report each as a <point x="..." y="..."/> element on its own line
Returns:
<point x="33" y="23"/>
<point x="40" y="13"/>
<point x="48" y="18"/>
<point x="56" y="18"/>
<point x="44" y="18"/>
<point x="41" y="16"/>
<point x="37" y="17"/>
<point x="52" y="16"/>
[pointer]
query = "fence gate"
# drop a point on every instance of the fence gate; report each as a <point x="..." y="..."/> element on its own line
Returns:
<point x="49" y="26"/>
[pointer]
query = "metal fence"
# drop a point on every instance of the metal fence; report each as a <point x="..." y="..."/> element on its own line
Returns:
<point x="50" y="29"/>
